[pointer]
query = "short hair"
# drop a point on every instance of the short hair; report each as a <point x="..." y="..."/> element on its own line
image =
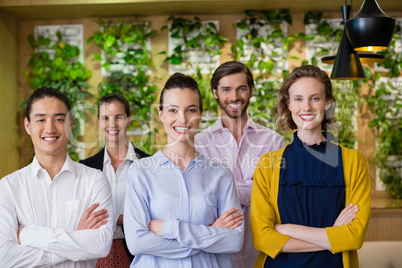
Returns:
<point x="181" y="81"/>
<point x="228" y="68"/>
<point x="47" y="92"/>
<point x="111" y="97"/>
<point x="283" y="115"/>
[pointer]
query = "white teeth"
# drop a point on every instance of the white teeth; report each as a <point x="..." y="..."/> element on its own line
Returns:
<point x="113" y="132"/>
<point x="235" y="105"/>
<point x="50" y="139"/>
<point x="181" y="129"/>
<point x="307" y="117"/>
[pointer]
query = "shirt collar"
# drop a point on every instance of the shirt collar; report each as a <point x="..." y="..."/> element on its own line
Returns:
<point x="162" y="159"/>
<point x="218" y="125"/>
<point x="68" y="166"/>
<point x="131" y="156"/>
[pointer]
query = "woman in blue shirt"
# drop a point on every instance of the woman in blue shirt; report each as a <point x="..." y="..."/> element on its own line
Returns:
<point x="181" y="209"/>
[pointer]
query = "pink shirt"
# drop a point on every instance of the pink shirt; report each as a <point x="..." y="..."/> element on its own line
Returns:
<point x="217" y="143"/>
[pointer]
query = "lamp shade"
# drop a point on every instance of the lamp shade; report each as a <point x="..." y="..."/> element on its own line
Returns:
<point x="370" y="29"/>
<point x="365" y="58"/>
<point x="347" y="64"/>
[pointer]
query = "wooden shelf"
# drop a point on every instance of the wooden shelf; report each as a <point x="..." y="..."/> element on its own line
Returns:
<point x="62" y="9"/>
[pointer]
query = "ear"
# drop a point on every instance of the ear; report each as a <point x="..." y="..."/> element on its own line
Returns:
<point x="328" y="104"/>
<point x="160" y="115"/>
<point x="27" y="126"/>
<point x="215" y="91"/>
<point x="70" y="125"/>
<point x="129" y="120"/>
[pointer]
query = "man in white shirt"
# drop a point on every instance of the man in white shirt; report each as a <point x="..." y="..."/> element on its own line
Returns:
<point x="237" y="141"/>
<point x="54" y="212"/>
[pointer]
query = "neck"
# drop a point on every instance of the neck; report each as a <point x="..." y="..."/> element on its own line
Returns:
<point x="52" y="163"/>
<point x="181" y="153"/>
<point x="311" y="137"/>
<point x="117" y="152"/>
<point x="235" y="125"/>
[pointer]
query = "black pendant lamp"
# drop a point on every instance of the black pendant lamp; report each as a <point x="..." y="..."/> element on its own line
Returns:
<point x="371" y="29"/>
<point x="347" y="64"/>
<point x="365" y="58"/>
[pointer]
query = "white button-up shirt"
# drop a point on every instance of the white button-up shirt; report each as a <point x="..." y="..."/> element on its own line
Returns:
<point x="117" y="182"/>
<point x="50" y="211"/>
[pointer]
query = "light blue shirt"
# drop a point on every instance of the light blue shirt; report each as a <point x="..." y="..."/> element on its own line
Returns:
<point x="188" y="202"/>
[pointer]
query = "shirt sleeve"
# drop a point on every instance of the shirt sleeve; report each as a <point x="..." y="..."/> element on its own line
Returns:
<point x="12" y="254"/>
<point x="77" y="245"/>
<point x="140" y="240"/>
<point x="207" y="238"/>
<point x="263" y="210"/>
<point x="357" y="188"/>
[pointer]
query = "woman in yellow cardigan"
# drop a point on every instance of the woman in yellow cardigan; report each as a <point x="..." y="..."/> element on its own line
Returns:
<point x="310" y="202"/>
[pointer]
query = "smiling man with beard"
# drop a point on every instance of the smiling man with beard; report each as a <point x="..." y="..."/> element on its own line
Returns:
<point x="237" y="141"/>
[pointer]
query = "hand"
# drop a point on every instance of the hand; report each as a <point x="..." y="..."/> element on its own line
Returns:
<point x="347" y="215"/>
<point x="120" y="220"/>
<point x="18" y="233"/>
<point x="156" y="226"/>
<point x="93" y="220"/>
<point x="230" y="219"/>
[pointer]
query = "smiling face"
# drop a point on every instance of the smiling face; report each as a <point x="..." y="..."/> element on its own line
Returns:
<point x="113" y="122"/>
<point x="307" y="104"/>
<point x="233" y="95"/>
<point x="49" y="127"/>
<point x="181" y="115"/>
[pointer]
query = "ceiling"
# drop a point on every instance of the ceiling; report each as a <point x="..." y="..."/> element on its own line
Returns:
<point x="52" y="9"/>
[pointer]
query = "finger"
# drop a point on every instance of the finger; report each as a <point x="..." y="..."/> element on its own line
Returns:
<point x="228" y="212"/>
<point x="234" y="226"/>
<point x="89" y="210"/>
<point x="96" y="220"/>
<point x="99" y="224"/>
<point x="98" y="213"/>
<point x="232" y="217"/>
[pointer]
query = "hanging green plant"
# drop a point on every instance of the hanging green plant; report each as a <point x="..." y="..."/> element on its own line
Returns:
<point x="196" y="48"/>
<point x="263" y="40"/>
<point x="125" y="54"/>
<point x="193" y="37"/>
<point x="388" y="123"/>
<point x="56" y="65"/>
<point x="387" y="103"/>
<point x="325" y="34"/>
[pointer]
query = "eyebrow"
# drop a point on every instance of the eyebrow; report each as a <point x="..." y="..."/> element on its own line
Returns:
<point x="173" y="105"/>
<point x="231" y="87"/>
<point x="317" y="94"/>
<point x="58" y="114"/>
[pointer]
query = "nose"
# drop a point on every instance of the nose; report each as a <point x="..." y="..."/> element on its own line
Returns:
<point x="234" y="94"/>
<point x="112" y="121"/>
<point x="50" y="126"/>
<point x="182" y="117"/>
<point x="306" y="105"/>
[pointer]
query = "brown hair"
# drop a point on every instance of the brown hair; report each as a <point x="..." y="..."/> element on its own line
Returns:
<point x="111" y="97"/>
<point x="283" y="115"/>
<point x="179" y="80"/>
<point x="228" y="68"/>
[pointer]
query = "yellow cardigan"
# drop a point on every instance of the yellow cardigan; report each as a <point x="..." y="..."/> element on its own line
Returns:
<point x="264" y="213"/>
